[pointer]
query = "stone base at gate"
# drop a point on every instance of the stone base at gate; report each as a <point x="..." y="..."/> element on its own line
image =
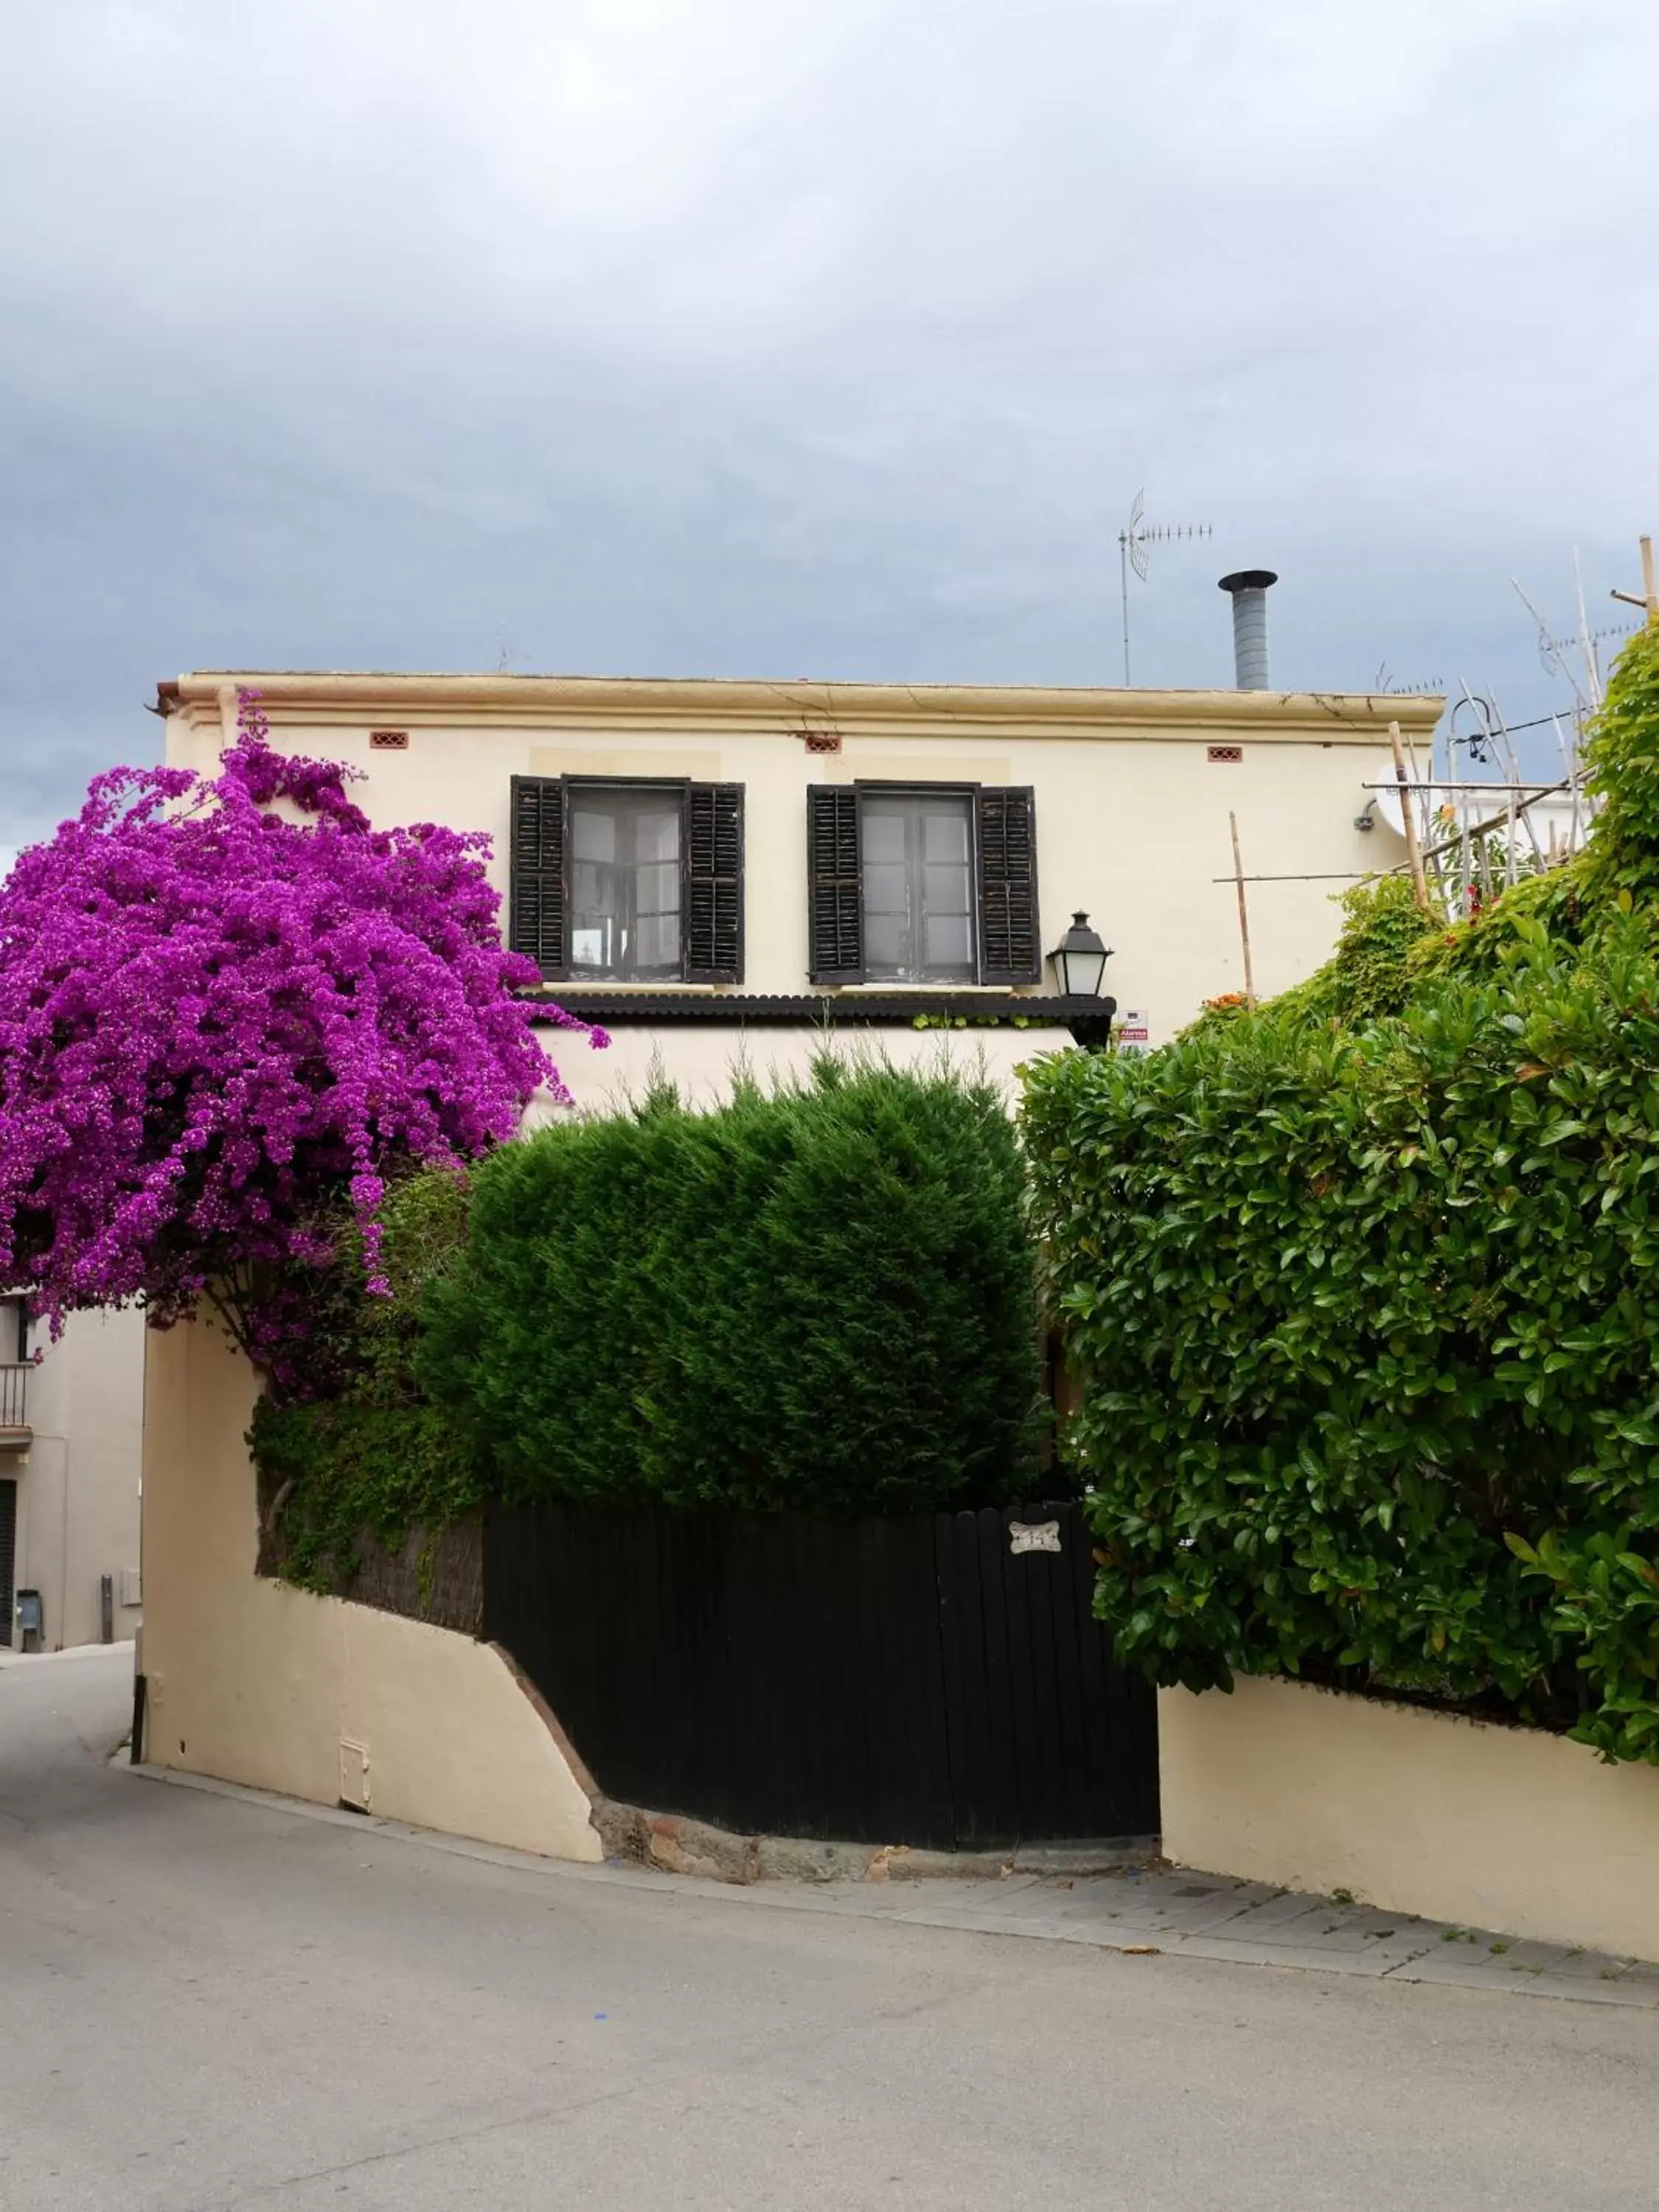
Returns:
<point x="712" y="1854"/>
<point x="1414" y="1811"/>
<point x="252" y="1681"/>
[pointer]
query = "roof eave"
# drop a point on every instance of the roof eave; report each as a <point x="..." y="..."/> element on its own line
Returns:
<point x="766" y="707"/>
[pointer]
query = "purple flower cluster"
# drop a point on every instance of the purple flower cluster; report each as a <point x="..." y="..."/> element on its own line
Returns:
<point x="223" y="1003"/>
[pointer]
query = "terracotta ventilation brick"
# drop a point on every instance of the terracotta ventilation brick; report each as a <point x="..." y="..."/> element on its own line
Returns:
<point x="1226" y="755"/>
<point x="388" y="741"/>
<point x="822" y="741"/>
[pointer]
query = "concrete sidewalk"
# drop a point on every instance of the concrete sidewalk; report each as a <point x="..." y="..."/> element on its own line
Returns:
<point x="1169" y="1913"/>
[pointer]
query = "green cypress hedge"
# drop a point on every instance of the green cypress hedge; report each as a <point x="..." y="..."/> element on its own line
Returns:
<point x="822" y="1298"/>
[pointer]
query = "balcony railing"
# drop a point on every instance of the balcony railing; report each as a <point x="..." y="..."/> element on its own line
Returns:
<point x="14" y="1395"/>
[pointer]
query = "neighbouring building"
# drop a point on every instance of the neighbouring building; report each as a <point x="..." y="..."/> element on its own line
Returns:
<point x="70" y="1451"/>
<point x="724" y="872"/>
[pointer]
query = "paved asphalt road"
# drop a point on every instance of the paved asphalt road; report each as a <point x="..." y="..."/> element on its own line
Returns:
<point x="207" y="2002"/>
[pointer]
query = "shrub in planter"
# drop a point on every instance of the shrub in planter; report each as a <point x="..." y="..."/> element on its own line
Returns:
<point x="1365" y="1320"/>
<point x="350" y="1445"/>
<point x="822" y="1298"/>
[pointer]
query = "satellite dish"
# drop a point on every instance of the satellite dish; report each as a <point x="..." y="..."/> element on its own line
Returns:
<point x="1391" y="802"/>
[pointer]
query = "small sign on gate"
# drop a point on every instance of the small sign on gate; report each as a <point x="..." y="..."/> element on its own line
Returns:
<point x="1033" y="1536"/>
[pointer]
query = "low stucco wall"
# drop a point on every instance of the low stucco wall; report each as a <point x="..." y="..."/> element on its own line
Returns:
<point x="1414" y="1811"/>
<point x="258" y="1683"/>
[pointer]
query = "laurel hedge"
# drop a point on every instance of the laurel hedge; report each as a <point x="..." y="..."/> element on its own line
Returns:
<point x="1366" y="1306"/>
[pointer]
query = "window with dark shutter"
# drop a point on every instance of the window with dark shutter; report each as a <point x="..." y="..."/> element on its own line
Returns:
<point x="713" y="882"/>
<point x="628" y="882"/>
<point x="536" y="900"/>
<point x="834" y="885"/>
<point x="1010" y="943"/>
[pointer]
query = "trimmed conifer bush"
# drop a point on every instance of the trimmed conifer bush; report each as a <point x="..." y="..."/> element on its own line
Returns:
<point x="822" y="1298"/>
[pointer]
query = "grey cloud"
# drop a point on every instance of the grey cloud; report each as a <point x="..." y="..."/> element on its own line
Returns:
<point x="824" y="337"/>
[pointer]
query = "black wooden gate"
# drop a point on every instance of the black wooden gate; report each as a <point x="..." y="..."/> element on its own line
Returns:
<point x="913" y="1681"/>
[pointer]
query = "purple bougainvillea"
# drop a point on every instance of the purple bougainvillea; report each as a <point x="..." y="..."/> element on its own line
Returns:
<point x="224" y="1004"/>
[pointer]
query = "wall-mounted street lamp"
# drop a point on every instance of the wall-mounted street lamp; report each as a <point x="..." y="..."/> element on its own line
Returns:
<point x="1080" y="960"/>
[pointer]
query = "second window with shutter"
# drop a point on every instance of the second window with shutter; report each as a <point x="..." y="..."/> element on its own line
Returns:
<point x="922" y="883"/>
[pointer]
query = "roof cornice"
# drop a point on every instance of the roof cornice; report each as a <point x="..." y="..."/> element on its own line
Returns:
<point x="911" y="711"/>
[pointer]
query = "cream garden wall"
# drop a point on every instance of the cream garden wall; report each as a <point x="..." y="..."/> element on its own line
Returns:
<point x="1418" y="1811"/>
<point x="254" y="1682"/>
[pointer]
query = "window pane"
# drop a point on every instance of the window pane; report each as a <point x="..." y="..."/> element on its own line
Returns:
<point x="658" y="944"/>
<point x="885" y="938"/>
<point x="886" y="891"/>
<point x="945" y="836"/>
<point x="884" y="826"/>
<point x="592" y="833"/>
<point x="625" y="883"/>
<point x="945" y="890"/>
<point x="918" y="886"/>
<point x="948" y="944"/>
<point x="657" y="835"/>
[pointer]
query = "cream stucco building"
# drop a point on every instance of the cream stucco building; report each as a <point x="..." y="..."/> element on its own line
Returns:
<point x="70" y="1445"/>
<point x="724" y="874"/>
<point x="720" y="872"/>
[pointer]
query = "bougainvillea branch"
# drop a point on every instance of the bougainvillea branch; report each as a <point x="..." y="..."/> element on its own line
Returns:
<point x="223" y="1003"/>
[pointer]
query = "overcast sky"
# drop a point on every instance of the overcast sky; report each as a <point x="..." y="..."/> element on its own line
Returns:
<point x="826" y="338"/>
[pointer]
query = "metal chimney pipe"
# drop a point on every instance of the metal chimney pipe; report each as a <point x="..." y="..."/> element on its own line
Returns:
<point x="1249" y="587"/>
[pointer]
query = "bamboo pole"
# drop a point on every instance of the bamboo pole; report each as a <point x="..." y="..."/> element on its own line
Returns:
<point x="1243" y="914"/>
<point x="1466" y="901"/>
<point x="1650" y="599"/>
<point x="1413" y="846"/>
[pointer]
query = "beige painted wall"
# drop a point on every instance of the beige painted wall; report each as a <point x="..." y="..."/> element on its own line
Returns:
<point x="702" y="1060"/>
<point x="1416" y="1812"/>
<point x="1131" y="816"/>
<point x="78" y="1483"/>
<point x="260" y="1683"/>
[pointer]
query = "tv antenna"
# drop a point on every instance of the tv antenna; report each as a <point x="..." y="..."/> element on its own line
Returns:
<point x="1557" y="653"/>
<point x="1425" y="688"/>
<point x="1134" y="542"/>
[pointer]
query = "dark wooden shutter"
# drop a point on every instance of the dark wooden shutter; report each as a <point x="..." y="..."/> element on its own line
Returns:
<point x="536" y="901"/>
<point x="713" y="882"/>
<point x="1010" y="944"/>
<point x="835" y="885"/>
